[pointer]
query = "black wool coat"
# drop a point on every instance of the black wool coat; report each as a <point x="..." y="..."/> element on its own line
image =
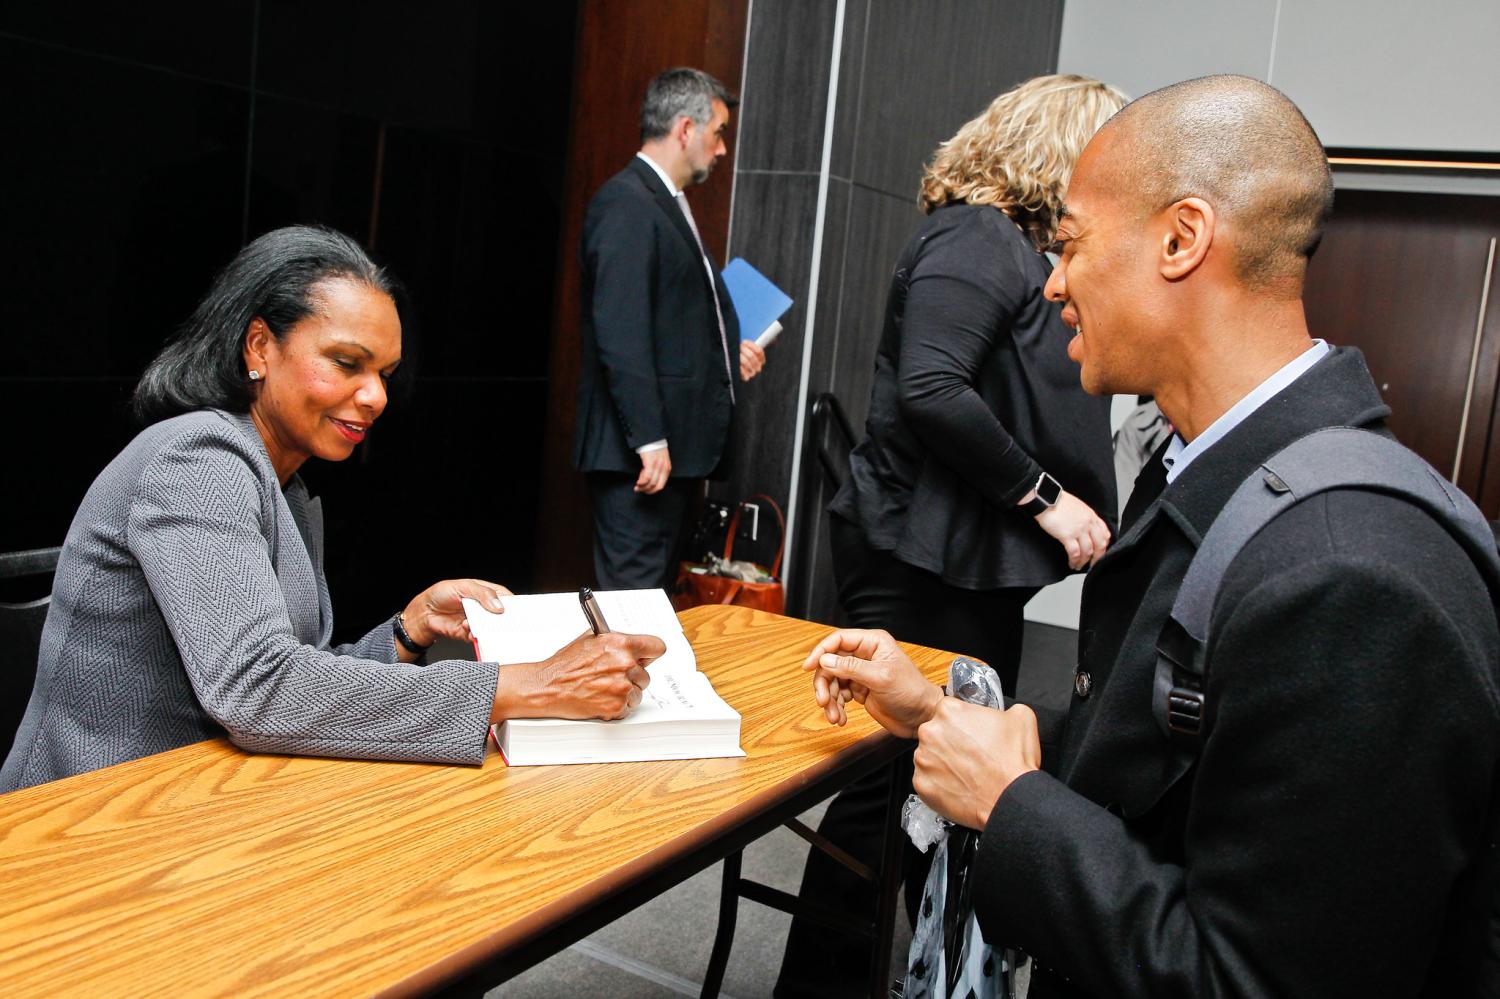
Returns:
<point x="1319" y="843"/>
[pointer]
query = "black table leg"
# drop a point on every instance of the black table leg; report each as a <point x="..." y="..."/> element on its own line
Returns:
<point x="886" y="890"/>
<point x="729" y="908"/>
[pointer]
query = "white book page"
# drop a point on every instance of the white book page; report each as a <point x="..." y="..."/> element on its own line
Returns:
<point x="535" y="626"/>
<point x="689" y="694"/>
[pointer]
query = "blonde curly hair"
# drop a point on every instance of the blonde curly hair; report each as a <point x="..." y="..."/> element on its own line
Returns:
<point x="1019" y="153"/>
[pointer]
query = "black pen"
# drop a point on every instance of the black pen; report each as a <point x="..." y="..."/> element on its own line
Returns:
<point x="591" y="610"/>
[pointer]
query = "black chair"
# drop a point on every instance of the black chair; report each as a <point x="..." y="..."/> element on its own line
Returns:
<point x="826" y="414"/>
<point x="21" y="573"/>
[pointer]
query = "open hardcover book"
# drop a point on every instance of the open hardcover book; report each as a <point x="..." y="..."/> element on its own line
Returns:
<point x="680" y="717"/>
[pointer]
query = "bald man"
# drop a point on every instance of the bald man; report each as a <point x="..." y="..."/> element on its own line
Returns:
<point x="1322" y="841"/>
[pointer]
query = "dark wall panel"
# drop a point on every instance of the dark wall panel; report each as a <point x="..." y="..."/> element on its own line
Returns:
<point x="59" y="433"/>
<point x="765" y="414"/>
<point x="463" y="517"/>
<point x="115" y="213"/>
<point x="397" y="62"/>
<point x="114" y="209"/>
<point x="776" y="203"/>
<point x="450" y="225"/>
<point x="311" y="163"/>
<point x="879" y="225"/>
<point x="144" y="146"/>
<point x="211" y="41"/>
<point x="932" y="66"/>
<point x="808" y="573"/>
<point x="763" y="201"/>
<point x="847" y="101"/>
<point x="786" y="93"/>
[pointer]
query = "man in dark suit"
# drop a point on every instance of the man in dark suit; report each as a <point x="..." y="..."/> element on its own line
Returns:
<point x="662" y="358"/>
<point x="1326" y="836"/>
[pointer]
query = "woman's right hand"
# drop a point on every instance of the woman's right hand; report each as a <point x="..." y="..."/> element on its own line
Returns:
<point x="1083" y="535"/>
<point x="593" y="676"/>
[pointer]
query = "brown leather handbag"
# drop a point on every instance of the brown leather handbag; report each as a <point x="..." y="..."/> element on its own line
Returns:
<point x="697" y="585"/>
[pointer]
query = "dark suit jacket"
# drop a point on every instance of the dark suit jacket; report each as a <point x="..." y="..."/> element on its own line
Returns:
<point x="1319" y="842"/>
<point x="652" y="366"/>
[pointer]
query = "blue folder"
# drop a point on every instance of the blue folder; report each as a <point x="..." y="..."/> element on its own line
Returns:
<point x="757" y="301"/>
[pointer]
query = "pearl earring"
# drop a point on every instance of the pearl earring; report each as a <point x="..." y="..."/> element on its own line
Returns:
<point x="254" y="375"/>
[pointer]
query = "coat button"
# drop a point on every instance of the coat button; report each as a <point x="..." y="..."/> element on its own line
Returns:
<point x="1082" y="683"/>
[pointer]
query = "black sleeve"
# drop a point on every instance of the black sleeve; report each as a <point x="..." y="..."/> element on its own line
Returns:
<point x="956" y="314"/>
<point x="620" y="250"/>
<point x="1333" y="805"/>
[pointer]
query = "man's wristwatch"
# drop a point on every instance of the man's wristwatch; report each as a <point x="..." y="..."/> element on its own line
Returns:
<point x="1048" y="490"/>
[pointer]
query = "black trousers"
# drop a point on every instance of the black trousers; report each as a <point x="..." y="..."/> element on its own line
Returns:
<point x="637" y="536"/>
<point x="877" y="591"/>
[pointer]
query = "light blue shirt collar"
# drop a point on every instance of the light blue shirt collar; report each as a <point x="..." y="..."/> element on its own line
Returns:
<point x="671" y="187"/>
<point x="1180" y="454"/>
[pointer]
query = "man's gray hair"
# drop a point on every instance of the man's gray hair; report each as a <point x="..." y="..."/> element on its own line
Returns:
<point x="677" y="92"/>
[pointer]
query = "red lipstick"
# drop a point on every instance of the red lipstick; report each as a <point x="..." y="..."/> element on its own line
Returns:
<point x="354" y="432"/>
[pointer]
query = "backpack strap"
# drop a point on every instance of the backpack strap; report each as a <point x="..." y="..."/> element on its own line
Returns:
<point x="1334" y="458"/>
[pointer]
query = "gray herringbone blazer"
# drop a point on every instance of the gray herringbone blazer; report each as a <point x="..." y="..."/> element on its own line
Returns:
<point x="190" y="603"/>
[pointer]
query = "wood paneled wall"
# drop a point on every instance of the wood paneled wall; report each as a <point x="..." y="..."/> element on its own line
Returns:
<point x="1402" y="277"/>
<point x="621" y="45"/>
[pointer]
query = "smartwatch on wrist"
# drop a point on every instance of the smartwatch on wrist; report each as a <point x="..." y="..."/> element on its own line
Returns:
<point x="1048" y="490"/>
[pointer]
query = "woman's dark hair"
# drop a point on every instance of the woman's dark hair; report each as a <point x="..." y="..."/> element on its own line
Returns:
<point x="273" y="277"/>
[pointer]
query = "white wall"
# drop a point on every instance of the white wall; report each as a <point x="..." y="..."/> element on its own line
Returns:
<point x="1394" y="74"/>
<point x="1141" y="46"/>
<point x="1058" y="604"/>
<point x="1383" y="74"/>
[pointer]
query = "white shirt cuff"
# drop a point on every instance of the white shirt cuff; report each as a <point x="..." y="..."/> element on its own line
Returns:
<point x="660" y="445"/>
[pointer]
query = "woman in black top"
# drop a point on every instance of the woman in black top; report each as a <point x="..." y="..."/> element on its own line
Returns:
<point x="987" y="471"/>
<point x="984" y="462"/>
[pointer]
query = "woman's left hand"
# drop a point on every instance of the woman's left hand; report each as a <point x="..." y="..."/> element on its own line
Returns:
<point x="438" y="611"/>
<point x="1083" y="533"/>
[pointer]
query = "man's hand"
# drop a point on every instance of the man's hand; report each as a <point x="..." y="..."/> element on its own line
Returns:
<point x="869" y="667"/>
<point x="656" y="466"/>
<point x="1084" y="536"/>
<point x="967" y="755"/>
<point x="752" y="359"/>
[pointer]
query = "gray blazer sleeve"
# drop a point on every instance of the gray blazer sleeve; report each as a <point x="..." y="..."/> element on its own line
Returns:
<point x="378" y="644"/>
<point x="199" y="528"/>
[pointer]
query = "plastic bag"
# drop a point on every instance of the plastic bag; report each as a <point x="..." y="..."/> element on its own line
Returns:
<point x="968" y="680"/>
<point x="948" y="955"/>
